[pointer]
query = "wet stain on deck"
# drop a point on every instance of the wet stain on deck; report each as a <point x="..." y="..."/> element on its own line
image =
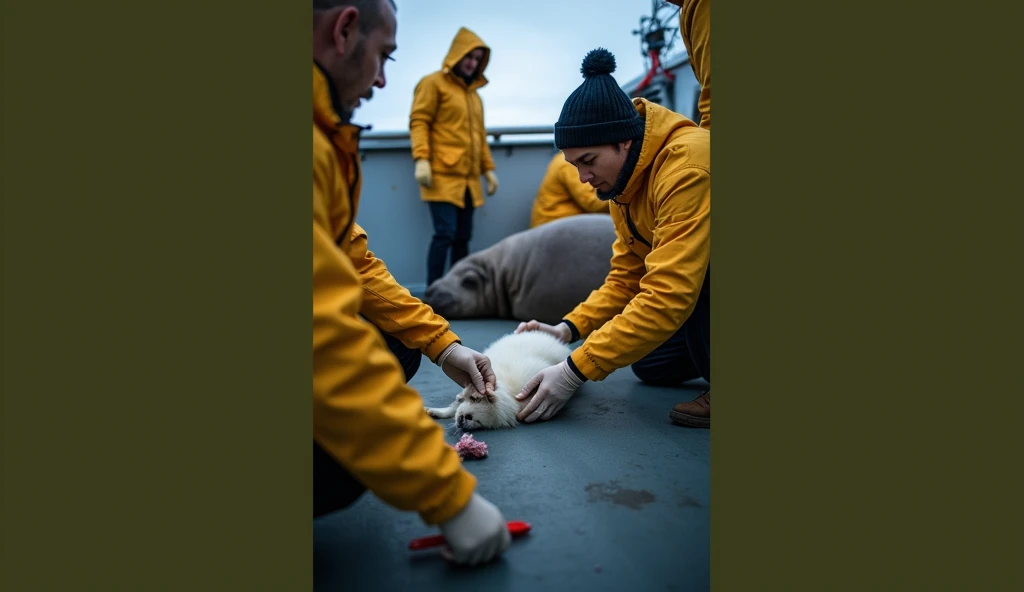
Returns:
<point x="684" y="501"/>
<point x="603" y="406"/>
<point x="614" y="493"/>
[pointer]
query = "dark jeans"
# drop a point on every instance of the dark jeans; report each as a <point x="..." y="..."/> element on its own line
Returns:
<point x="334" y="488"/>
<point x="453" y="227"/>
<point x="687" y="354"/>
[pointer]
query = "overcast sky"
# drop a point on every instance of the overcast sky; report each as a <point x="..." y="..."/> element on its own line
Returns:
<point x="536" y="50"/>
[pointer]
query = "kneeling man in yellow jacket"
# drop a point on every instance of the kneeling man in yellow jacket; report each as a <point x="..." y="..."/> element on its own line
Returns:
<point x="370" y="430"/>
<point x="654" y="310"/>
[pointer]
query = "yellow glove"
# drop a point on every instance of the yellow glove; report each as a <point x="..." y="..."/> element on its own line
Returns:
<point x="423" y="172"/>
<point x="492" y="182"/>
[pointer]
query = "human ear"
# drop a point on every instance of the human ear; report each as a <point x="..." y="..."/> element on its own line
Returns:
<point x="343" y="32"/>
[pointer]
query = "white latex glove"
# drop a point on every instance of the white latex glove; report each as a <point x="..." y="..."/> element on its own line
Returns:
<point x="422" y="173"/>
<point x="467" y="366"/>
<point x="554" y="386"/>
<point x="561" y="331"/>
<point x="477" y="534"/>
<point x="492" y="182"/>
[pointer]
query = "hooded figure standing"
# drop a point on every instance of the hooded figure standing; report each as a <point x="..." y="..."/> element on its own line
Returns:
<point x="449" y="146"/>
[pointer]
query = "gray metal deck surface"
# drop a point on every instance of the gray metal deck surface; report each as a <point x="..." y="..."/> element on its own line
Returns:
<point x="617" y="495"/>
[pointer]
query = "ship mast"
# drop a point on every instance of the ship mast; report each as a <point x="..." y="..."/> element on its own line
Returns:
<point x="656" y="39"/>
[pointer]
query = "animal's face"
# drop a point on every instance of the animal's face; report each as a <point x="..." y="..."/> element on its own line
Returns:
<point x="461" y="293"/>
<point x="476" y="411"/>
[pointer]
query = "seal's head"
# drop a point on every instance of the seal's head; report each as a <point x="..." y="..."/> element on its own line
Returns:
<point x="462" y="292"/>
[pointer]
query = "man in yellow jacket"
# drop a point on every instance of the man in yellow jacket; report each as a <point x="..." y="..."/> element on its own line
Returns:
<point x="370" y="430"/>
<point x="653" y="311"/>
<point x="562" y="194"/>
<point x="695" y="29"/>
<point x="449" y="147"/>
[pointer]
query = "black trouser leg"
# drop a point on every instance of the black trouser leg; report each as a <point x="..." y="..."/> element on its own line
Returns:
<point x="698" y="330"/>
<point x="445" y="219"/>
<point x="407" y="357"/>
<point x="463" y="230"/>
<point x="334" y="488"/>
<point x="687" y="354"/>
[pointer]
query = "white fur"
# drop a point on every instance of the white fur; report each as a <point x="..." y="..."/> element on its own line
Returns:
<point x="515" y="359"/>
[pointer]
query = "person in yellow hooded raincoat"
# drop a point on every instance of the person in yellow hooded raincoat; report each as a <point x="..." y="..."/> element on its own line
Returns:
<point x="654" y="309"/>
<point x="695" y="29"/>
<point x="562" y="194"/>
<point x="370" y="430"/>
<point x="449" y="148"/>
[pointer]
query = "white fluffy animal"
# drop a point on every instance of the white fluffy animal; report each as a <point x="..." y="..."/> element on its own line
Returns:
<point x="515" y="359"/>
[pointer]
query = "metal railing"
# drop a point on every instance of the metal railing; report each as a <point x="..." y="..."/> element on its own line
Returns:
<point x="391" y="140"/>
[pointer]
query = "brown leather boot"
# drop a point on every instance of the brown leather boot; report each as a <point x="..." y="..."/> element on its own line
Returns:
<point x="695" y="413"/>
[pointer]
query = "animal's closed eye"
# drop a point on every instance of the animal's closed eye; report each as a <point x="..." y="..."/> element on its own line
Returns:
<point x="470" y="283"/>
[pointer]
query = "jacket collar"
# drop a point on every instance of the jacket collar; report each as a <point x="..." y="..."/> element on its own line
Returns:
<point x="626" y="174"/>
<point x="659" y="125"/>
<point x="325" y="112"/>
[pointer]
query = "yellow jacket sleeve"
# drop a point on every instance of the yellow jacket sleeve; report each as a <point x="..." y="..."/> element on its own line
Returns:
<point x="363" y="413"/>
<point x="422" y="116"/>
<point x="668" y="290"/>
<point x="391" y="307"/>
<point x="620" y="286"/>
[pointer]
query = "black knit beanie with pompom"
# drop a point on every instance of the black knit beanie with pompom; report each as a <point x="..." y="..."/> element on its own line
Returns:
<point x="597" y="112"/>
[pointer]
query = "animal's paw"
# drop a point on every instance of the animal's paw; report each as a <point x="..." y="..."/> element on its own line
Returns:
<point x="439" y="412"/>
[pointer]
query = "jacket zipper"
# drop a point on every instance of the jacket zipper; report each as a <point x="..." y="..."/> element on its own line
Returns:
<point x="354" y="160"/>
<point x="632" y="227"/>
<point x="351" y="197"/>
<point x="469" y="121"/>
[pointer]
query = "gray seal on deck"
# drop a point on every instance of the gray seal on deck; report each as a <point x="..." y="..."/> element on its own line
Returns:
<point x="541" y="273"/>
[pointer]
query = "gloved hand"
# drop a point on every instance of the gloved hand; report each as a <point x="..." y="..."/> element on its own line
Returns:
<point x="554" y="386"/>
<point x="561" y="331"/>
<point x="477" y="534"/>
<point x="467" y="366"/>
<point x="423" y="176"/>
<point x="492" y="182"/>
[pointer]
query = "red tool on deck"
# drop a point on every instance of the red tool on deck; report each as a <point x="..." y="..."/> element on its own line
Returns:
<point x="516" y="528"/>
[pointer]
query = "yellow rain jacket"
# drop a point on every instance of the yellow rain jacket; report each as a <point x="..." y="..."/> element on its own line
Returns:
<point x="392" y="308"/>
<point x="661" y="251"/>
<point x="446" y="126"/>
<point x="562" y="194"/>
<point x="364" y="414"/>
<point x="695" y="28"/>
